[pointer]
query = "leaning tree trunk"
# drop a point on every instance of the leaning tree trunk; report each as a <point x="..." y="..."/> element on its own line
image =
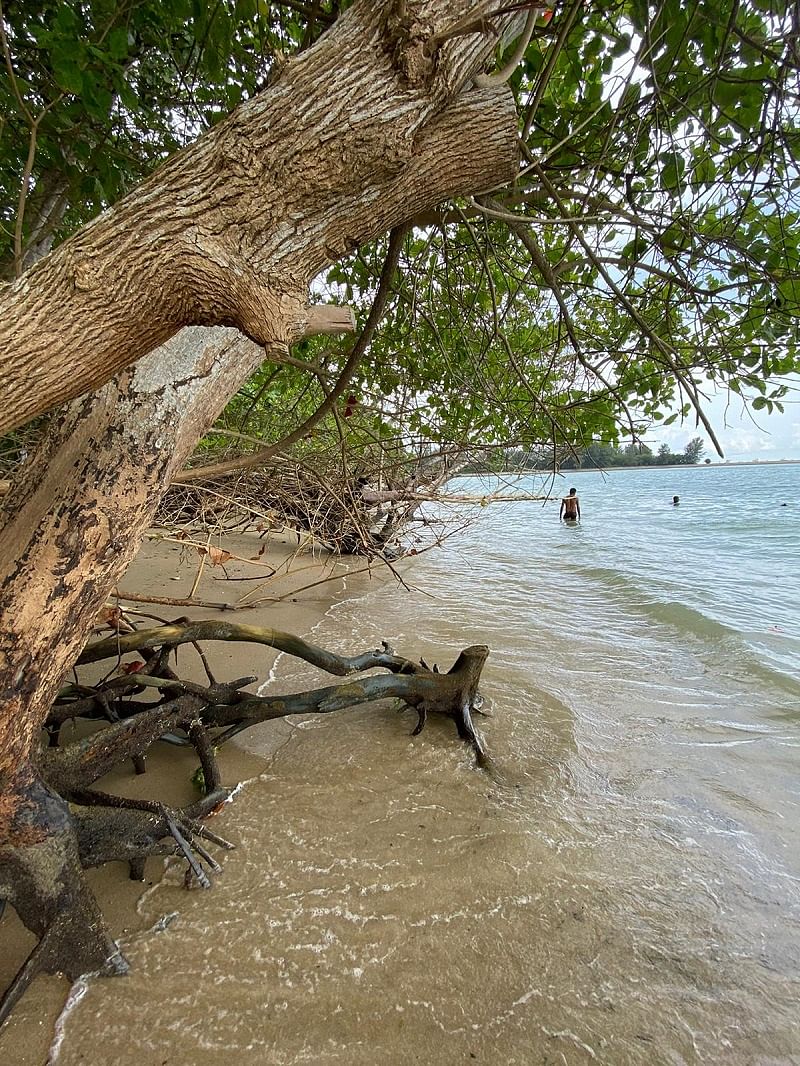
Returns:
<point x="73" y="522"/>
<point x="377" y="122"/>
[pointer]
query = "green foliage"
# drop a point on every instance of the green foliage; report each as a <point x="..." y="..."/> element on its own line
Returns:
<point x="597" y="455"/>
<point x="659" y="195"/>
<point x="694" y="450"/>
<point x="114" y="89"/>
<point x="648" y="247"/>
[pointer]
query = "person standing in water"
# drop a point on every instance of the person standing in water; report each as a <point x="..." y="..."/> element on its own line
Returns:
<point x="570" y="509"/>
<point x="675" y="501"/>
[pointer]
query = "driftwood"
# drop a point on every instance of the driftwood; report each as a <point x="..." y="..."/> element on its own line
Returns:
<point x="312" y="498"/>
<point x="78" y="826"/>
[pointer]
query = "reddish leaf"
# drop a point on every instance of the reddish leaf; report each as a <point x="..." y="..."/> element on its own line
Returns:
<point x="133" y="668"/>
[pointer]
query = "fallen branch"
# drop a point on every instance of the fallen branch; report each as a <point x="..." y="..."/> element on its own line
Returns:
<point x="168" y="601"/>
<point x="211" y="629"/>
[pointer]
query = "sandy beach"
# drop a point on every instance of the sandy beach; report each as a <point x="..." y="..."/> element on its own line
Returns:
<point x="276" y="573"/>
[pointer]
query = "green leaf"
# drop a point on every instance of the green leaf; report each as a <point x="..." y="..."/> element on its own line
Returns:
<point x="672" y="168"/>
<point x="704" y="171"/>
<point x="66" y="70"/>
<point x="117" y="43"/>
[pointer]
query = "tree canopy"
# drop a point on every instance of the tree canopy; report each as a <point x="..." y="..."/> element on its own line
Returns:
<point x="646" y="252"/>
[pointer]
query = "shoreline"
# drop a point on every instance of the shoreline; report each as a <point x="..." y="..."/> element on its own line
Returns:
<point x="170" y="570"/>
<point x="643" y="466"/>
<point x="685" y="466"/>
<point x="622" y="728"/>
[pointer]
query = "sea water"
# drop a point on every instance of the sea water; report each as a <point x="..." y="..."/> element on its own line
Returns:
<point x="624" y="889"/>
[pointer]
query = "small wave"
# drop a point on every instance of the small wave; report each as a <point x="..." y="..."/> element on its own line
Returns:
<point x="738" y="651"/>
<point x="690" y="620"/>
<point x="667" y="611"/>
<point x="76" y="994"/>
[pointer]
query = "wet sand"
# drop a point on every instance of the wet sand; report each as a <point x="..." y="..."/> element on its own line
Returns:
<point x="168" y="570"/>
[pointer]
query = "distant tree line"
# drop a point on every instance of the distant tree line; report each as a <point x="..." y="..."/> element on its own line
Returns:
<point x="602" y="456"/>
<point x="599" y="455"/>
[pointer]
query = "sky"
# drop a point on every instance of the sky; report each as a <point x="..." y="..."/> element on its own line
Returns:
<point x="744" y="435"/>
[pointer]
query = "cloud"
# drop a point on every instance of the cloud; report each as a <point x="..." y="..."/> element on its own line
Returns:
<point x="744" y="434"/>
<point x="742" y="440"/>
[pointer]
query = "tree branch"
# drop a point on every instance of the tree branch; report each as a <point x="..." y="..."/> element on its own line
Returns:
<point x="245" y="462"/>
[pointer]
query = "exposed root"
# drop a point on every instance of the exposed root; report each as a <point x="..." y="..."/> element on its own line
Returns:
<point x="60" y="810"/>
<point x="112" y="828"/>
<point x="47" y="957"/>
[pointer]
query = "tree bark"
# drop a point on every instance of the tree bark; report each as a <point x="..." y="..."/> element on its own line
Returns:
<point x="375" y="123"/>
<point x="41" y="875"/>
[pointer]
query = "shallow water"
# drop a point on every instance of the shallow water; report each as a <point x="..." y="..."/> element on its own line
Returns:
<point x="627" y="888"/>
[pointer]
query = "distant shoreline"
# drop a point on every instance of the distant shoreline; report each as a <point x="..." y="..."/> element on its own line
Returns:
<point x="681" y="466"/>
<point x="614" y="469"/>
